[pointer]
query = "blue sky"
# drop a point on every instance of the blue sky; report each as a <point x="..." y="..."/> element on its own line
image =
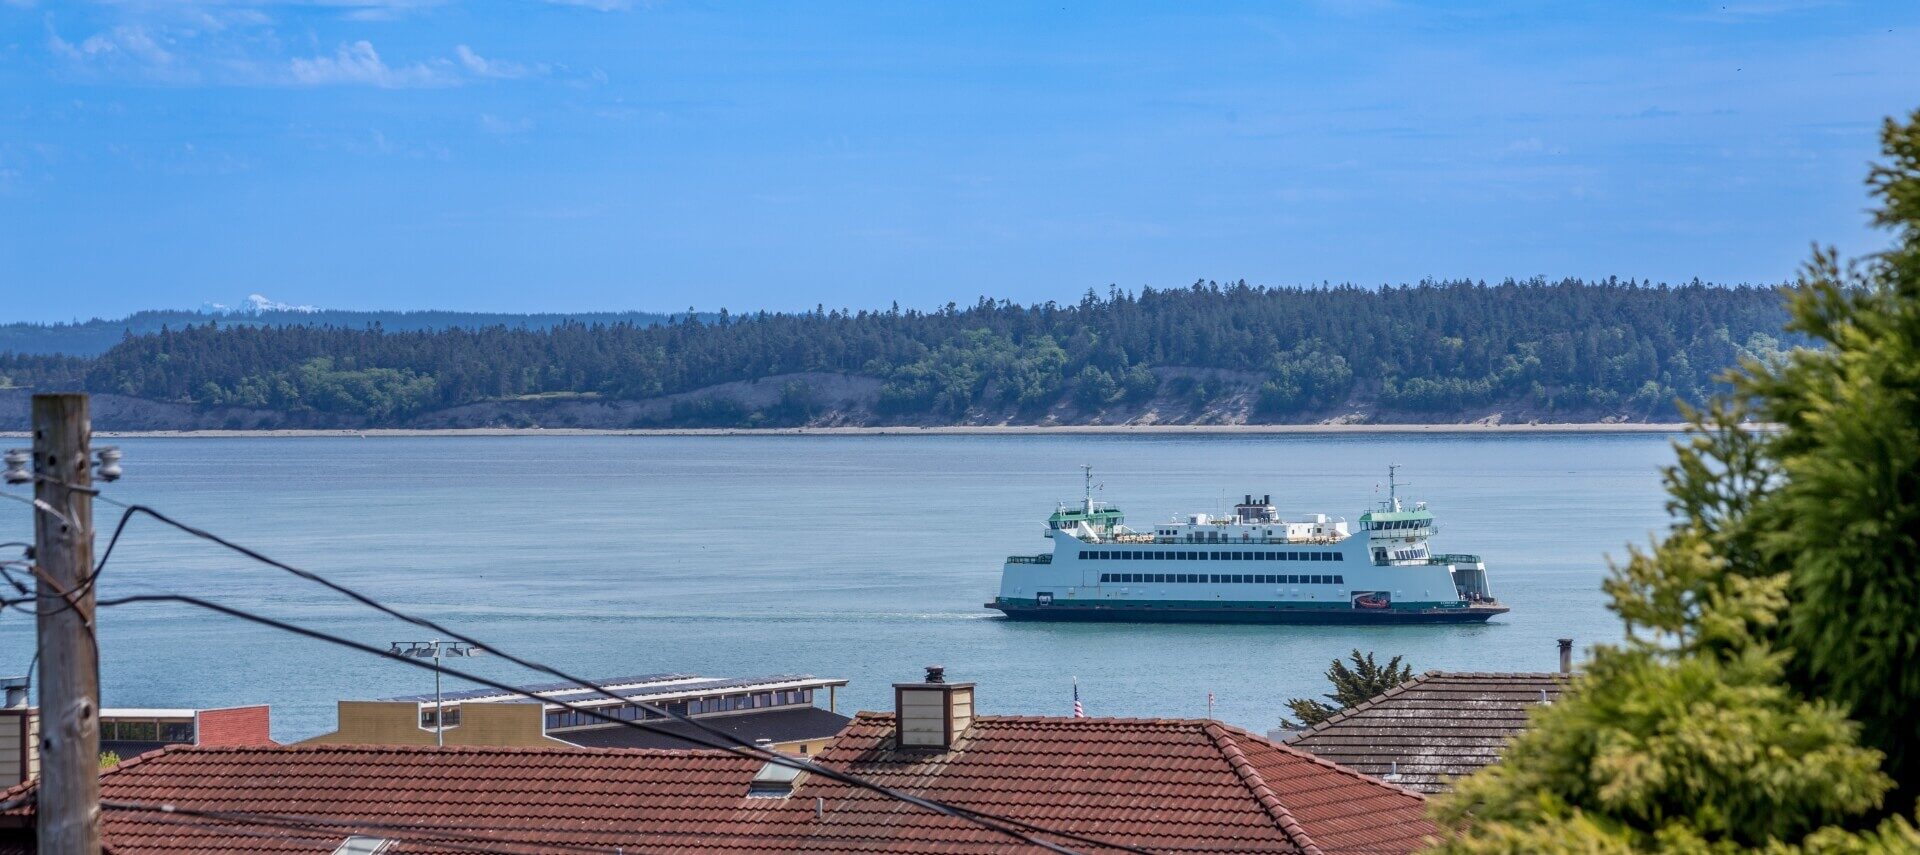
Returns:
<point x="626" y="155"/>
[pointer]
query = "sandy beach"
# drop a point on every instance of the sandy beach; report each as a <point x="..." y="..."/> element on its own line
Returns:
<point x="968" y="430"/>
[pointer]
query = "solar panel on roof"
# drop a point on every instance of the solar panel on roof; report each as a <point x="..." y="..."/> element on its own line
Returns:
<point x="543" y="688"/>
<point x="634" y="687"/>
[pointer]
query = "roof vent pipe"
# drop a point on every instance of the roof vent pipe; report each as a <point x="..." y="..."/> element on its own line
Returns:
<point x="1566" y="655"/>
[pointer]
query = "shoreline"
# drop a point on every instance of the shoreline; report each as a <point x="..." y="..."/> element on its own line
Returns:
<point x="943" y="430"/>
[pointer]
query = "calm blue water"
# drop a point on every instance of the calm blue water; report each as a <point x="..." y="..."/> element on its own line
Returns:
<point x="859" y="557"/>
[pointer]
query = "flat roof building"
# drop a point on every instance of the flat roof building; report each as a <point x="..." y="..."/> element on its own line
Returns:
<point x="128" y="732"/>
<point x="1164" y="785"/>
<point x="779" y="710"/>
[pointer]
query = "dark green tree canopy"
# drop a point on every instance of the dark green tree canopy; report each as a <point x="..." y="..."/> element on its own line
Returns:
<point x="1434" y="350"/>
<point x="1351" y="687"/>
<point x="1765" y="698"/>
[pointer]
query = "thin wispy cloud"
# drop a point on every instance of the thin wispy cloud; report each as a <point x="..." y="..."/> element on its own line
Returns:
<point x="359" y="64"/>
<point x="130" y="42"/>
<point x="124" y="50"/>
<point x="243" y="44"/>
<point x="379" y="10"/>
<point x="1330" y="132"/>
<point x="480" y="66"/>
<point x="504" y="127"/>
<point x="596" y="5"/>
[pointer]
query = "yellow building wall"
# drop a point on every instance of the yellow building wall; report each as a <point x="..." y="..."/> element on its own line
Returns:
<point x="804" y="747"/>
<point x="398" y="723"/>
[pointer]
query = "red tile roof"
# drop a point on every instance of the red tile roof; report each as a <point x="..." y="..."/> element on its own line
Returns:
<point x="1162" y="785"/>
<point x="1434" y="728"/>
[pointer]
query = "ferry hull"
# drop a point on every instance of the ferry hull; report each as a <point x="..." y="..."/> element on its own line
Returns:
<point x="1174" y="614"/>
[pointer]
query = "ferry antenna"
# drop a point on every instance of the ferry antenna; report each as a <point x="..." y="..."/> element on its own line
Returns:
<point x="1393" y="486"/>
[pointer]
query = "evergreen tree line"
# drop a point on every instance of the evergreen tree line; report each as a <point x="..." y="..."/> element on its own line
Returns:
<point x="1436" y="349"/>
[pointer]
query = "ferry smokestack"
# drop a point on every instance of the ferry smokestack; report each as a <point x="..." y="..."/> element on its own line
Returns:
<point x="1566" y="655"/>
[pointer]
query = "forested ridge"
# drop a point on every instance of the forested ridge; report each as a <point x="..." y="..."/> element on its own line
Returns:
<point x="93" y="337"/>
<point x="1436" y="351"/>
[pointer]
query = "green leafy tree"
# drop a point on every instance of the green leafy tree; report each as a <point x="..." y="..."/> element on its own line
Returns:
<point x="1140" y="384"/>
<point x="1351" y="687"/>
<point x="1764" y="698"/>
<point x="1094" y="389"/>
<point x="109" y="759"/>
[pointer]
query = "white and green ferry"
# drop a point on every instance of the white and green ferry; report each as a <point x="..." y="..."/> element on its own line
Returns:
<point x="1250" y="567"/>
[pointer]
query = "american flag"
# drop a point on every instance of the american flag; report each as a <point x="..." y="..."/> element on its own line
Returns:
<point x="1078" y="711"/>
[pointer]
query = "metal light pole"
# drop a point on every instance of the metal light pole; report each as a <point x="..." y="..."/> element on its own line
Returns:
<point x="434" y="650"/>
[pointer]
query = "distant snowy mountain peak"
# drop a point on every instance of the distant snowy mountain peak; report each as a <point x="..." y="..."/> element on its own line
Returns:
<point x="258" y="304"/>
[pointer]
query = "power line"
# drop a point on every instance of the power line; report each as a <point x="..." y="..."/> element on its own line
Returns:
<point x="732" y="743"/>
<point x="235" y="824"/>
<point x="231" y="821"/>
<point x="413" y="832"/>
<point x="986" y="820"/>
<point x="728" y="744"/>
<point x="1014" y="828"/>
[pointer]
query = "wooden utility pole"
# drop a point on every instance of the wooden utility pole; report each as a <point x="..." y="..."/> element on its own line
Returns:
<point x="67" y="804"/>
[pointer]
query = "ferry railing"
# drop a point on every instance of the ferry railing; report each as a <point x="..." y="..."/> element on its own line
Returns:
<point x="1319" y="540"/>
<point x="1454" y="558"/>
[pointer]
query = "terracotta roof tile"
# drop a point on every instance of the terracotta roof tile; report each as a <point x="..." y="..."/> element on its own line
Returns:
<point x="1434" y="728"/>
<point x="1164" y="785"/>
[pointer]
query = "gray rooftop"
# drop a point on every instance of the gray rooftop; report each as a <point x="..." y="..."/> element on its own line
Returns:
<point x="1433" y="728"/>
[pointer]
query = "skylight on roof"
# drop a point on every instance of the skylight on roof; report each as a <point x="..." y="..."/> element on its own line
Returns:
<point x="775" y="781"/>
<point x="359" y="845"/>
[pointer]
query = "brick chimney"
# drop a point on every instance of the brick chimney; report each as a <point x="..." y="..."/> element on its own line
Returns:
<point x="931" y="714"/>
<point x="1566" y="655"/>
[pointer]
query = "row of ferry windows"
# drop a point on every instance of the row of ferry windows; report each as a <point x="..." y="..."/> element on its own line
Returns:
<point x="1388" y="525"/>
<point x="1182" y="555"/>
<point x="1217" y="579"/>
